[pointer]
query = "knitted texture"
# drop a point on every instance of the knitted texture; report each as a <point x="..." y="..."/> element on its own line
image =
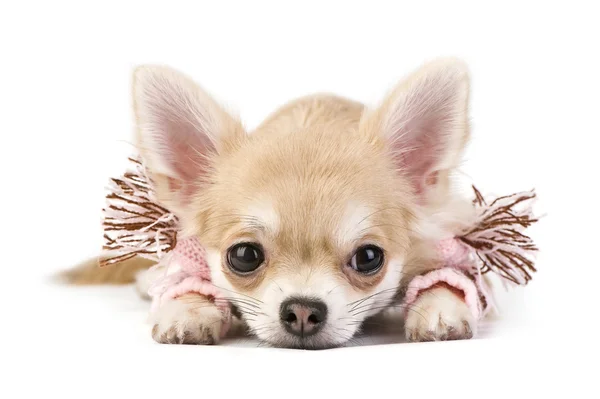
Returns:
<point x="453" y="253"/>
<point x="451" y="277"/>
<point x="456" y="269"/>
<point x="192" y="276"/>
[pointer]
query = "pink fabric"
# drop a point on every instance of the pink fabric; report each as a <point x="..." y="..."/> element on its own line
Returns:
<point x="190" y="255"/>
<point x="455" y="262"/>
<point x="193" y="276"/>
<point x="451" y="277"/>
<point x="453" y="253"/>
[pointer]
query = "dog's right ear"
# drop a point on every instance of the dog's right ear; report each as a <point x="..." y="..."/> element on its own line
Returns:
<point x="180" y="129"/>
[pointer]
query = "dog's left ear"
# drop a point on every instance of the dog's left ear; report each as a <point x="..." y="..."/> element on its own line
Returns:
<point x="424" y="122"/>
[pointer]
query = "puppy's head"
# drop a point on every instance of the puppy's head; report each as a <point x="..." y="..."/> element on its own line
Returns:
<point x="309" y="231"/>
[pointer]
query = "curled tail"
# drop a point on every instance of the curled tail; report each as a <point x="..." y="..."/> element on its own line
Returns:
<point x="90" y="273"/>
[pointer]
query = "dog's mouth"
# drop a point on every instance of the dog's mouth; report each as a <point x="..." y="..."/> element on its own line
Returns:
<point x="317" y="342"/>
<point x="278" y="336"/>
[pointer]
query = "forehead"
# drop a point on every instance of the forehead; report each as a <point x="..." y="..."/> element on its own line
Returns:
<point x="315" y="218"/>
<point x="306" y="220"/>
<point x="307" y="187"/>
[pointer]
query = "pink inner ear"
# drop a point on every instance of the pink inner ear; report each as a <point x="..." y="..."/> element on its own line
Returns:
<point x="185" y="191"/>
<point x="417" y="153"/>
<point x="186" y="150"/>
<point x="420" y="128"/>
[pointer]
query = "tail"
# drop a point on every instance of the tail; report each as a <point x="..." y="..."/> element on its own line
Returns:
<point x="90" y="273"/>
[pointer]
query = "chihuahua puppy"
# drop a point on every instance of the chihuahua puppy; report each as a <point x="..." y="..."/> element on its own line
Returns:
<point x="318" y="218"/>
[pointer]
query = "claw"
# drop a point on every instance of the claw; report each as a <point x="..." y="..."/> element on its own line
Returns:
<point x="468" y="331"/>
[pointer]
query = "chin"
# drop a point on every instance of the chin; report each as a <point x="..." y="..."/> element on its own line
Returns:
<point x="316" y="342"/>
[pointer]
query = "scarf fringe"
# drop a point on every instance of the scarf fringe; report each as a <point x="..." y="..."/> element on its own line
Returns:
<point x="498" y="238"/>
<point x="134" y="223"/>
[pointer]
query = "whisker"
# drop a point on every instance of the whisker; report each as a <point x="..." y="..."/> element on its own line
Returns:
<point x="237" y="300"/>
<point x="348" y="338"/>
<point x="263" y="326"/>
<point x="275" y="282"/>
<point x="358" y="302"/>
<point x="239" y="305"/>
<point x="211" y="305"/>
<point x="375" y="303"/>
<point x="334" y="288"/>
<point x="408" y="308"/>
<point x="238" y="293"/>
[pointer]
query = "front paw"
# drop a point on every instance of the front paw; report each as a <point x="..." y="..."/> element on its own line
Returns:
<point x="190" y="319"/>
<point x="439" y="315"/>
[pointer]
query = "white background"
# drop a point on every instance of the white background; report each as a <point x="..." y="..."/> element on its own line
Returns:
<point x="65" y="126"/>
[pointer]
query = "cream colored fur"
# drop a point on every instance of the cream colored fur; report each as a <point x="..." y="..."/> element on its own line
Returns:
<point x="317" y="178"/>
<point x="438" y="314"/>
<point x="191" y="319"/>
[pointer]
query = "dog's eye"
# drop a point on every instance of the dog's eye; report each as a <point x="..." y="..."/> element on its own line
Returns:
<point x="367" y="259"/>
<point x="245" y="258"/>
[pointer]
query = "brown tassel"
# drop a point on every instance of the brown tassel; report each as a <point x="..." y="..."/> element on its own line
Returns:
<point x="498" y="237"/>
<point x="134" y="223"/>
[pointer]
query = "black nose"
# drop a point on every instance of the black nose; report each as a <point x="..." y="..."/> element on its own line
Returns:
<point x="303" y="316"/>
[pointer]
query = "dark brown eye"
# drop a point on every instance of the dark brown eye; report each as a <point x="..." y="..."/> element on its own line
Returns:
<point x="367" y="259"/>
<point x="245" y="258"/>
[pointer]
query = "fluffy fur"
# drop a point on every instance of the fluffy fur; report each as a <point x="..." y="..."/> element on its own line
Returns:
<point x="317" y="179"/>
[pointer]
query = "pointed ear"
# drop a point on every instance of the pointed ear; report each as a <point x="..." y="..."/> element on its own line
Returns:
<point x="180" y="130"/>
<point x="424" y="122"/>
